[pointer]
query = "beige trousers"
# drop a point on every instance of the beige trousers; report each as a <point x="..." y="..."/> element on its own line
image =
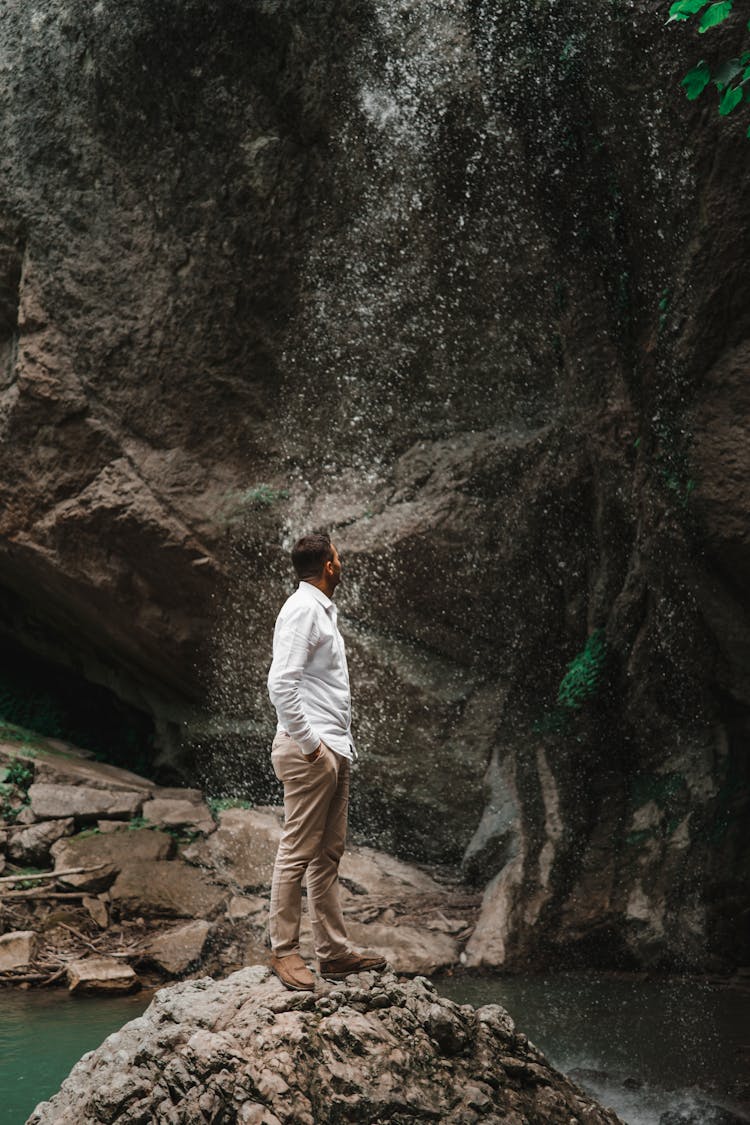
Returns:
<point x="316" y="800"/>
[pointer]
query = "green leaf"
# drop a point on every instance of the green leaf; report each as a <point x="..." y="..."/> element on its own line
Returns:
<point x="727" y="71"/>
<point x="747" y="134"/>
<point x="716" y="14"/>
<point x="731" y="98"/>
<point x="696" y="80"/>
<point x="684" y="9"/>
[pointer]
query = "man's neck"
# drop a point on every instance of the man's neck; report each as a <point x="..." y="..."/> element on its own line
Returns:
<point x="322" y="585"/>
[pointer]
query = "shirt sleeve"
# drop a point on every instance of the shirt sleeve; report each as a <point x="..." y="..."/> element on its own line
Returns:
<point x="293" y="646"/>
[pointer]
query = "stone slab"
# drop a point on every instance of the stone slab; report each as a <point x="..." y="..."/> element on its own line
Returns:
<point x="170" y="812"/>
<point x="101" y="974"/>
<point x="17" y="949"/>
<point x="84" y="802"/>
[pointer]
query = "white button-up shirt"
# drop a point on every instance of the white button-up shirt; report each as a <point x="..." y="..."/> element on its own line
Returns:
<point x="308" y="681"/>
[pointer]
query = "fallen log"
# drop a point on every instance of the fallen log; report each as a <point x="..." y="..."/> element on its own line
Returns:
<point x="40" y="892"/>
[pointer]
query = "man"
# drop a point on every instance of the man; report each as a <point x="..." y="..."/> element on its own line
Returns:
<point x="312" y="753"/>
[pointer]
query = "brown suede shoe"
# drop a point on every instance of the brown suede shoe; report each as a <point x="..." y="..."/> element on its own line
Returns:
<point x="293" y="972"/>
<point x="351" y="963"/>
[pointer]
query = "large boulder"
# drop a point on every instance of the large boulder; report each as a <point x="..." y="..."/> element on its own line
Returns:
<point x="165" y="888"/>
<point x="118" y="850"/>
<point x="245" y="1049"/>
<point x="243" y="848"/>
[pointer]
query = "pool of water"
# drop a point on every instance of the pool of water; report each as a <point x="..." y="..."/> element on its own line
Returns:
<point x="43" y="1034"/>
<point x="643" y="1047"/>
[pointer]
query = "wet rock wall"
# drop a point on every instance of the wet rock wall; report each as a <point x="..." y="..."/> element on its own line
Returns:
<point x="463" y="284"/>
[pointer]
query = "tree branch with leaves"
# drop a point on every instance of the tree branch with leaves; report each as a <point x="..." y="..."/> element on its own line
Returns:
<point x="729" y="76"/>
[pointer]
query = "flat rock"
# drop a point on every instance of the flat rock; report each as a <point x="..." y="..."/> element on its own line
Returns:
<point x="177" y="950"/>
<point x="101" y="974"/>
<point x="243" y="848"/>
<point x="31" y="846"/>
<point x="372" y="872"/>
<point x="63" y="763"/>
<point x="408" y="949"/>
<point x="166" y="888"/>
<point x="171" y="812"/>
<point x="17" y="949"/>
<point x="240" y="1050"/>
<point x="118" y="850"/>
<point x="178" y="793"/>
<point x="84" y="802"/>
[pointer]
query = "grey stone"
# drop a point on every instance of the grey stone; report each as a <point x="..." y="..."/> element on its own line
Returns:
<point x="177" y="950"/>
<point x="17" y="949"/>
<point x="85" y="803"/>
<point x="31" y="846"/>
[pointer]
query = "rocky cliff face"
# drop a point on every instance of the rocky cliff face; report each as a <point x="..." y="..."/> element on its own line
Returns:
<point x="436" y="277"/>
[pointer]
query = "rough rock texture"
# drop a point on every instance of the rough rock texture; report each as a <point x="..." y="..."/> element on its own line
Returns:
<point x="519" y="296"/>
<point x="168" y="888"/>
<point x="31" y="846"/>
<point x="371" y="1049"/>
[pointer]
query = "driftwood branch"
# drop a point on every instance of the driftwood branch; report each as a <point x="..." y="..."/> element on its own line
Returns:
<point x="80" y="936"/>
<point x="40" y="892"/>
<point x="51" y="874"/>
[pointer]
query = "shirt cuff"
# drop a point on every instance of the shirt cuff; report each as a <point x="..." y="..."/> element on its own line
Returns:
<point x="309" y="745"/>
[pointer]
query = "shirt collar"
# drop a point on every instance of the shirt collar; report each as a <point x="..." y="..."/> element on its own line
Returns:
<point x="318" y="595"/>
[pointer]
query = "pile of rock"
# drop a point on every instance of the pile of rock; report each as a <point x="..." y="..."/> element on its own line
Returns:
<point x="142" y="882"/>
<point x="371" y="1049"/>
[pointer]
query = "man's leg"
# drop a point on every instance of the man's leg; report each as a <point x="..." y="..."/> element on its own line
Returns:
<point x="323" y="899"/>
<point x="308" y="790"/>
<point x="332" y="948"/>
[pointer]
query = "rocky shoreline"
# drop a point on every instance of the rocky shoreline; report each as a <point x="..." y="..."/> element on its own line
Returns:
<point x="109" y="882"/>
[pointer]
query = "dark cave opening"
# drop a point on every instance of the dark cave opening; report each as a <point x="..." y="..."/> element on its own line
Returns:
<point x="52" y="700"/>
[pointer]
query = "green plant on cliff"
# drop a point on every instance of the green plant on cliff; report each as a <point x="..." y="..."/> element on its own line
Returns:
<point x="15" y="780"/>
<point x="580" y="683"/>
<point x="583" y="674"/>
<point x="731" y="77"/>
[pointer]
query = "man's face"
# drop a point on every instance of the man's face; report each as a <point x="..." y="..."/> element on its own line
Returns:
<point x="335" y="568"/>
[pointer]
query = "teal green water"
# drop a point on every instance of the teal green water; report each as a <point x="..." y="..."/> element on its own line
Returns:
<point x="43" y="1034"/>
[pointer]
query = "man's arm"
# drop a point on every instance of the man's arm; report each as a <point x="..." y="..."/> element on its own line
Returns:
<point x="293" y="645"/>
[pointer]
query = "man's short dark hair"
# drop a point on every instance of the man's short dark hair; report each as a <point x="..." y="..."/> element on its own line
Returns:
<point x="310" y="554"/>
